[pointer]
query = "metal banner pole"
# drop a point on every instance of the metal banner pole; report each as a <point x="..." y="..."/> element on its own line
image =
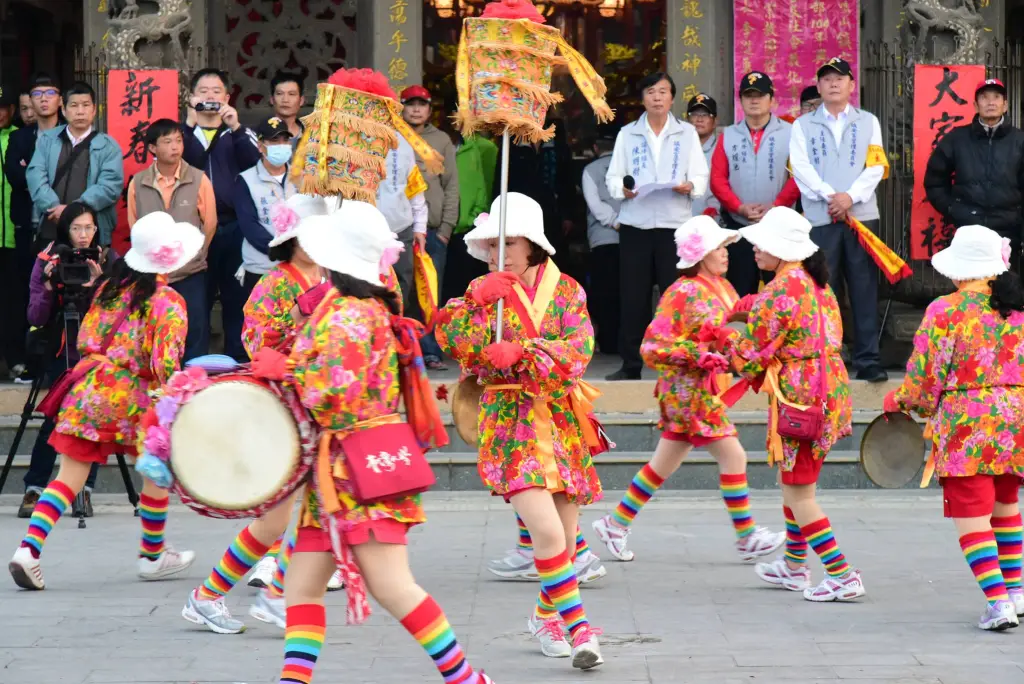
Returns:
<point x="501" y="227"/>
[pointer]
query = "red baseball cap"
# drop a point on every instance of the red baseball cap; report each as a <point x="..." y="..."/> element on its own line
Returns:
<point x="415" y="92"/>
<point x="991" y="84"/>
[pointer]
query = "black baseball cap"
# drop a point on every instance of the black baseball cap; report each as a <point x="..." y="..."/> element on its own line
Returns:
<point x="8" y="95"/>
<point x="990" y="84"/>
<point x="702" y="100"/>
<point x="757" y="81"/>
<point x="809" y="93"/>
<point x="271" y="128"/>
<point x="836" y="64"/>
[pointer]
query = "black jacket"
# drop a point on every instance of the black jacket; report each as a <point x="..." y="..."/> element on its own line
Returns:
<point x="20" y="149"/>
<point x="974" y="178"/>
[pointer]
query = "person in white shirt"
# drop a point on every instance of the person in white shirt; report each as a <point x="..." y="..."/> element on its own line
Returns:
<point x="661" y="160"/>
<point x="838" y="160"/>
<point x="603" y="238"/>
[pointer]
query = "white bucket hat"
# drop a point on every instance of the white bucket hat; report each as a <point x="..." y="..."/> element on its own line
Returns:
<point x="698" y="237"/>
<point x="976" y="252"/>
<point x="524" y="218"/>
<point x="159" y="245"/>
<point x="353" y="240"/>
<point x="783" y="233"/>
<point x="285" y="217"/>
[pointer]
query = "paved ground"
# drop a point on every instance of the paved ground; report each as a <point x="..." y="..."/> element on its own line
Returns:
<point x="685" y="611"/>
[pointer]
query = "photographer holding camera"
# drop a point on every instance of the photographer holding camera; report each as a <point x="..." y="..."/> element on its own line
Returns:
<point x="60" y="290"/>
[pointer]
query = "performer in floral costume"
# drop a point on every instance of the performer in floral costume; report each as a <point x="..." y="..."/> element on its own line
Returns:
<point x="535" y="433"/>
<point x="131" y="340"/>
<point x="964" y="376"/>
<point x="790" y="348"/>
<point x="351" y="363"/>
<point x="692" y="391"/>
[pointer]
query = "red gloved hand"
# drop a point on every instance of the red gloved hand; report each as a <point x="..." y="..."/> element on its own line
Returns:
<point x="494" y="286"/>
<point x="503" y="355"/>
<point x="713" y="363"/>
<point x="889" y="404"/>
<point x="714" y="336"/>
<point x="745" y="304"/>
<point x="269" y="364"/>
<point x="712" y="212"/>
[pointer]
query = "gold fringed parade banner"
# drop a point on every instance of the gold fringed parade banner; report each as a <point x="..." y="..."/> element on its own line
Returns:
<point x="892" y="266"/>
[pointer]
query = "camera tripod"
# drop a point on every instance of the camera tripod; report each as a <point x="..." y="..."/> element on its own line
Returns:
<point x="71" y="318"/>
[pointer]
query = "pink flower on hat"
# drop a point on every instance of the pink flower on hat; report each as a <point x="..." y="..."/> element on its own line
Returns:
<point x="283" y="218"/>
<point x="691" y="249"/>
<point x="166" y="256"/>
<point x="481" y="219"/>
<point x="389" y="257"/>
<point x="1006" y="252"/>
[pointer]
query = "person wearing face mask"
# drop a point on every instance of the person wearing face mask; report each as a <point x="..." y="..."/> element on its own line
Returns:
<point x="257" y="191"/>
<point x="691" y="392"/>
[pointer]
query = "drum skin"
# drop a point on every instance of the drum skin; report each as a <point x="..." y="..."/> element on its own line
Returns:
<point x="240" y="447"/>
<point x="466" y="410"/>
<point x="892" y="450"/>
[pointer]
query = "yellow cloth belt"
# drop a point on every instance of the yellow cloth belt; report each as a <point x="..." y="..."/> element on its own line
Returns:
<point x="581" y="400"/>
<point x="775" y="397"/>
<point x="326" y="491"/>
<point x="929" y="466"/>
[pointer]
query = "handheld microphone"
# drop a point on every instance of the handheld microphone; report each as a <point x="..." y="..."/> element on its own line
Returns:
<point x="628" y="182"/>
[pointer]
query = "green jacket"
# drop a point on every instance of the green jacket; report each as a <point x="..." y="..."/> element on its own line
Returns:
<point x="474" y="188"/>
<point x="6" y="225"/>
<point x="489" y="158"/>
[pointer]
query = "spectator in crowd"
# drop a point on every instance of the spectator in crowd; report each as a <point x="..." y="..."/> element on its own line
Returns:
<point x="810" y="99"/>
<point x="838" y="160"/>
<point x="46" y="103"/>
<point x="658" y="149"/>
<point x="748" y="174"/>
<point x="401" y="197"/>
<point x="603" y="238"/>
<point x="171" y="184"/>
<point x="976" y="173"/>
<point x="287" y="100"/>
<point x="218" y="144"/>
<point x="26" y="113"/>
<point x="12" y="339"/>
<point x="702" y="113"/>
<point x="257" y="190"/>
<point x="77" y="228"/>
<point x="442" y="195"/>
<point x="474" y="199"/>
<point x="76" y="162"/>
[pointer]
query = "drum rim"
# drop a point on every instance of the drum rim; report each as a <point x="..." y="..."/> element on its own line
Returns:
<point x="281" y="486"/>
<point x="882" y="419"/>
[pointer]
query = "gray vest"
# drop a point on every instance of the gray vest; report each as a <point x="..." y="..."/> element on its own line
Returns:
<point x="838" y="165"/>
<point x="391" y="199"/>
<point x="599" y="234"/>
<point x="707" y="199"/>
<point x="757" y="178"/>
<point x="265" y="191"/>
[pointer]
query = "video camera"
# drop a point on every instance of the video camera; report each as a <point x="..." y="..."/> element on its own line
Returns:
<point x="208" y="106"/>
<point x="72" y="265"/>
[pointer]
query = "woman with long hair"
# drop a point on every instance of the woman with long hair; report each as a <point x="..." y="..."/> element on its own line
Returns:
<point x="790" y="346"/>
<point x="964" y="376"/>
<point x="690" y="392"/>
<point x="533" y="448"/>
<point x="131" y="341"/>
<point x="351" y="362"/>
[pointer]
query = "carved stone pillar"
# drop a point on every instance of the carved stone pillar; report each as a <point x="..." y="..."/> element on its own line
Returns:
<point x="699" y="51"/>
<point x="393" y="40"/>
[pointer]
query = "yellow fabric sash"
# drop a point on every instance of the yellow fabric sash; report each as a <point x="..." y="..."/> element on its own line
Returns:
<point x="877" y="157"/>
<point x="775" y="397"/>
<point x="892" y="266"/>
<point x="462" y="73"/>
<point x="324" y="105"/>
<point x="722" y="381"/>
<point x="431" y="157"/>
<point x="545" y="293"/>
<point x="326" y="491"/>
<point x="415" y="183"/>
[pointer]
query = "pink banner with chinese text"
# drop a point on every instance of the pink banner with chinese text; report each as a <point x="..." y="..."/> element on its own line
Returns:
<point x="790" y="39"/>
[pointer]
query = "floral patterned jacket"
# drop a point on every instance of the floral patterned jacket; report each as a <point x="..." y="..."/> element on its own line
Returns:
<point x="268" y="313"/>
<point x="671" y="347"/>
<point x="557" y="337"/>
<point x="966" y="375"/>
<point x="107" y="403"/>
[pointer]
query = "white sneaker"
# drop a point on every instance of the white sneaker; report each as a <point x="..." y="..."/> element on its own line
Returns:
<point x="263" y="574"/>
<point x="212" y="614"/>
<point x="1002" y="615"/>
<point x="25" y="570"/>
<point x="269" y="609"/>
<point x="551" y="636"/>
<point x="1017" y="598"/>
<point x="760" y="542"/>
<point x="778" y="573"/>
<point x="845" y="588"/>
<point x="517" y="565"/>
<point x="614" y="537"/>
<point x="589" y="568"/>
<point x="586" y="652"/>
<point x="335" y="583"/>
<point x="169" y="563"/>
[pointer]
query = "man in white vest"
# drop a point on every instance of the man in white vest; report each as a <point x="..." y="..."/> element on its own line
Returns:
<point x="838" y="160"/>
<point x="401" y="198"/>
<point x="657" y="169"/>
<point x="702" y="113"/>
<point x="748" y="173"/>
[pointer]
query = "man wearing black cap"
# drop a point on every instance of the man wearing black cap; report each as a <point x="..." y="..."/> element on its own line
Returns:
<point x="810" y="99"/>
<point x="838" y="160"/>
<point x="702" y="113"/>
<point x="257" y="190"/>
<point x="748" y="173"/>
<point x="976" y="173"/>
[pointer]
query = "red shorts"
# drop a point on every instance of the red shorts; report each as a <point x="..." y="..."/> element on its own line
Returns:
<point x="696" y="440"/>
<point x="386" y="531"/>
<point x="976" y="495"/>
<point x="87" y="451"/>
<point x="806" y="469"/>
